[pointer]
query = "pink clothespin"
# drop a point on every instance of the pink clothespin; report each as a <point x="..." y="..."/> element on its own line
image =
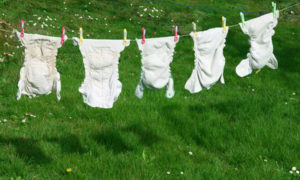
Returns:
<point x="143" y="35"/>
<point x="63" y="35"/>
<point x="22" y="29"/>
<point x="176" y="34"/>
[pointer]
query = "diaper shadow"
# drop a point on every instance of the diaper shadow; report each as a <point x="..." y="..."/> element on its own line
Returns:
<point x="69" y="144"/>
<point x="27" y="149"/>
<point x="146" y="136"/>
<point x="112" y="141"/>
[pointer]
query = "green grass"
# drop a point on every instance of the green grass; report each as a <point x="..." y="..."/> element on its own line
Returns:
<point x="248" y="128"/>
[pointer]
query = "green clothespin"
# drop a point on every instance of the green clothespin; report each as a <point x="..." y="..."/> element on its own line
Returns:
<point x="243" y="19"/>
<point x="274" y="8"/>
<point x="258" y="71"/>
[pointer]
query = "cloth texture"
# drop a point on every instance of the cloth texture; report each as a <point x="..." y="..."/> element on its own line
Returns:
<point x="209" y="59"/>
<point x="101" y="86"/>
<point x="260" y="31"/>
<point x="157" y="55"/>
<point x="39" y="75"/>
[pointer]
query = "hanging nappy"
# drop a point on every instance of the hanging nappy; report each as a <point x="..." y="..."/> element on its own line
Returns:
<point x="157" y="55"/>
<point x="260" y="30"/>
<point x="39" y="75"/>
<point x="101" y="86"/>
<point x="209" y="59"/>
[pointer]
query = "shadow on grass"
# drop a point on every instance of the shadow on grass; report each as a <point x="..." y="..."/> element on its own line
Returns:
<point x="146" y="136"/>
<point x="113" y="139"/>
<point x="69" y="144"/>
<point x="27" y="149"/>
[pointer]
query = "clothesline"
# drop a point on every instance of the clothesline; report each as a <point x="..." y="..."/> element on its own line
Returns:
<point x="231" y="26"/>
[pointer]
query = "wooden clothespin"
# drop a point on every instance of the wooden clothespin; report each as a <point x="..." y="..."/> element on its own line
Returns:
<point x="243" y="19"/>
<point x="143" y="35"/>
<point x="195" y="29"/>
<point x="22" y="29"/>
<point x="176" y="34"/>
<point x="224" y="24"/>
<point x="63" y="35"/>
<point x="274" y="9"/>
<point x="125" y="37"/>
<point x="81" y="36"/>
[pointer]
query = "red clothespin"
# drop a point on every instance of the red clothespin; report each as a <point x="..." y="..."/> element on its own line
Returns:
<point x="143" y="35"/>
<point x="63" y="35"/>
<point x="22" y="29"/>
<point x="176" y="34"/>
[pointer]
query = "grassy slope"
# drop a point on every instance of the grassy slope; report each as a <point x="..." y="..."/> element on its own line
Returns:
<point x="231" y="129"/>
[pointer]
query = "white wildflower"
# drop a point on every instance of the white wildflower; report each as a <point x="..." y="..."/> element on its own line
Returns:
<point x="181" y="172"/>
<point x="294" y="94"/>
<point x="168" y="172"/>
<point x="39" y="18"/>
<point x="191" y="153"/>
<point x="297" y="172"/>
<point x="253" y="89"/>
<point x="265" y="160"/>
<point x="291" y="172"/>
<point x="285" y="103"/>
<point x="145" y="9"/>
<point x="4" y="120"/>
<point x="24" y="120"/>
<point x="294" y="168"/>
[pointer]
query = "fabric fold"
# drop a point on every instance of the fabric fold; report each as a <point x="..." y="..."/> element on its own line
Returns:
<point x="101" y="86"/>
<point x="260" y="31"/>
<point x="157" y="55"/>
<point x="209" y="59"/>
<point x="39" y="75"/>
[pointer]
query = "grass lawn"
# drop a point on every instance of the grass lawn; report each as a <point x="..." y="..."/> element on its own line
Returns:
<point x="248" y="128"/>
